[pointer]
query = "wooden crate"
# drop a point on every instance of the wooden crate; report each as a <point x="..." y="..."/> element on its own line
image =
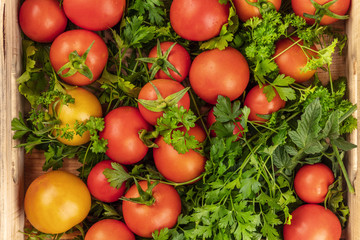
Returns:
<point x="15" y="174"/>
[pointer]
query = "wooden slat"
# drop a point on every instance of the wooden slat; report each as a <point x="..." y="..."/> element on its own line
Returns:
<point x="353" y="68"/>
<point x="11" y="159"/>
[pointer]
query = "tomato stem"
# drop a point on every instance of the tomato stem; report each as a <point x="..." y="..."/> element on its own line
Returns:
<point x="343" y="169"/>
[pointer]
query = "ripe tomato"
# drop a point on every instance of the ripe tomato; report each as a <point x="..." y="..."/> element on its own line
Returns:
<point x="311" y="182"/>
<point x="300" y="7"/>
<point x="312" y="222"/>
<point x="122" y="126"/>
<point x="178" y="57"/>
<point x="109" y="229"/>
<point x="179" y="167"/>
<point x="211" y="119"/>
<point x="79" y="40"/>
<point x="257" y="102"/>
<point x="198" y="20"/>
<point x="166" y="87"/>
<point x="143" y="220"/>
<point x="56" y="201"/>
<point x="294" y="55"/>
<point x="42" y="20"/>
<point x="86" y="105"/>
<point x="94" y="15"/>
<point x="217" y="72"/>
<point x="99" y="186"/>
<point x="245" y="11"/>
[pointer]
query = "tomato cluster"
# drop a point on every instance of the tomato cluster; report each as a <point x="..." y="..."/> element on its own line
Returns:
<point x="57" y="201"/>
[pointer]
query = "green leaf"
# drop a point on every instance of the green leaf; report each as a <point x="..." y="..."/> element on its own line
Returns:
<point x="307" y="133"/>
<point x="343" y="144"/>
<point x="136" y="33"/>
<point x="116" y="176"/>
<point x="152" y="9"/>
<point x="332" y="129"/>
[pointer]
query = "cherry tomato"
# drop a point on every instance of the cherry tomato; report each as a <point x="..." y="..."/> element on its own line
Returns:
<point x="312" y="222"/>
<point x="198" y="20"/>
<point x="94" y="15"/>
<point x="211" y="119"/>
<point x="178" y="57"/>
<point x="122" y="126"/>
<point x="56" y="201"/>
<point x="179" y="167"/>
<point x="42" y="20"/>
<point x="311" y="182"/>
<point x="257" y="102"/>
<point x="143" y="220"/>
<point x="109" y="229"/>
<point x="215" y="72"/>
<point x="166" y="87"/>
<point x="99" y="186"/>
<point x="79" y="40"/>
<point x="340" y="7"/>
<point x="284" y="54"/>
<point x="245" y="11"/>
<point x="86" y="105"/>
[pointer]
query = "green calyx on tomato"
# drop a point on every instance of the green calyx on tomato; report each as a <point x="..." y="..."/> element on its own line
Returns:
<point x="263" y="5"/>
<point x="77" y="64"/>
<point x="322" y="10"/>
<point x="160" y="104"/>
<point x="161" y="62"/>
<point x="146" y="197"/>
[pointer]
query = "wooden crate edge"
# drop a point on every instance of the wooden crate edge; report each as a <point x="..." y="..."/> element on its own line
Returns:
<point x="11" y="159"/>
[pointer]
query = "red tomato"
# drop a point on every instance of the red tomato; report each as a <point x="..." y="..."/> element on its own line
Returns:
<point x="179" y="167"/>
<point x="217" y="72"/>
<point x="245" y="11"/>
<point x="42" y="20"/>
<point x="122" y="126"/>
<point x="178" y="57"/>
<point x="312" y="182"/>
<point x="211" y="119"/>
<point x="56" y="201"/>
<point x="99" y="186"/>
<point x="94" y="15"/>
<point x="79" y="41"/>
<point x="166" y="87"/>
<point x="198" y="20"/>
<point x="300" y="7"/>
<point x="257" y="102"/>
<point x="143" y="220"/>
<point x="312" y="222"/>
<point x="109" y="229"/>
<point x="294" y="55"/>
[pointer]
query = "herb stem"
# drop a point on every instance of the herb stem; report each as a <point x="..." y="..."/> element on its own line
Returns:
<point x="343" y="169"/>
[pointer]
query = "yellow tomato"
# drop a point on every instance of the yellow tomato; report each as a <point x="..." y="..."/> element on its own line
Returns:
<point x="57" y="201"/>
<point x="86" y="105"/>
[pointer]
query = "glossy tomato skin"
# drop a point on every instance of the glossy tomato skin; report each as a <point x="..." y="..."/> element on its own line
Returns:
<point x="109" y="229"/>
<point x="166" y="87"/>
<point x="79" y="40"/>
<point x="257" y="102"/>
<point x="56" y="201"/>
<point x="42" y="20"/>
<point x="312" y="222"/>
<point x="86" y="105"/>
<point x="143" y="220"/>
<point x="178" y="57"/>
<point x="177" y="167"/>
<point x="122" y="126"/>
<point x="305" y="6"/>
<point x="312" y="182"/>
<point x="245" y="11"/>
<point x="99" y="186"/>
<point x="94" y="15"/>
<point x="292" y="60"/>
<point x="219" y="72"/>
<point x="198" y="20"/>
<point x="211" y="119"/>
